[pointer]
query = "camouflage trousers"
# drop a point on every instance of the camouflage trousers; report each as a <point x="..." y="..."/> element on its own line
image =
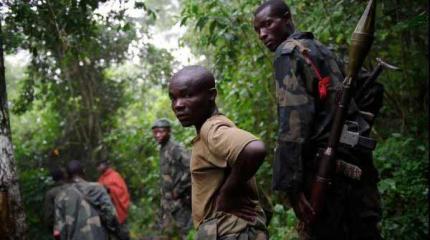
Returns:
<point x="176" y="223"/>
<point x="208" y="231"/>
<point x="124" y="231"/>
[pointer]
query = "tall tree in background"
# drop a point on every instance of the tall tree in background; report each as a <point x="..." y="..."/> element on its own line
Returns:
<point x="71" y="46"/>
<point x="12" y="216"/>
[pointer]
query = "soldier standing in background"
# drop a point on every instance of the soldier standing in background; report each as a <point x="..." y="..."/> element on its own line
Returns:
<point x="118" y="192"/>
<point x="307" y="78"/>
<point x="84" y="211"/>
<point x="59" y="177"/>
<point x="175" y="216"/>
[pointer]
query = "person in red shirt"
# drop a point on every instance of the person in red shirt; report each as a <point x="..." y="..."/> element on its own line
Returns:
<point x="117" y="189"/>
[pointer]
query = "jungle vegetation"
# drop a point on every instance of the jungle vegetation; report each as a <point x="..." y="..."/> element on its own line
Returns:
<point x="81" y="97"/>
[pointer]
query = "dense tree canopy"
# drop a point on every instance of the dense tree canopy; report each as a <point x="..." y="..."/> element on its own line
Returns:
<point x="82" y="97"/>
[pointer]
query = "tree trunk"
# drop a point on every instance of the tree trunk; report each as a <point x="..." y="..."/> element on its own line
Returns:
<point x="12" y="215"/>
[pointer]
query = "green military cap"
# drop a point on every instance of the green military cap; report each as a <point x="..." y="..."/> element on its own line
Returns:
<point x="161" y="123"/>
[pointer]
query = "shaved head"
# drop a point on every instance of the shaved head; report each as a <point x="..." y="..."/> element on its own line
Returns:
<point x="192" y="91"/>
<point x="277" y="7"/>
<point x="74" y="168"/>
<point x="198" y="76"/>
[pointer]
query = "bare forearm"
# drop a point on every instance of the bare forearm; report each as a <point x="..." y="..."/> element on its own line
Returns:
<point x="249" y="160"/>
<point x="235" y="194"/>
<point x="247" y="164"/>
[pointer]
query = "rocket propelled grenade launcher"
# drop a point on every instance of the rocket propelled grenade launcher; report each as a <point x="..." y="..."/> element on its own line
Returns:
<point x="362" y="39"/>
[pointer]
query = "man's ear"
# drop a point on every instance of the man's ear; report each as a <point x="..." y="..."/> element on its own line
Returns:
<point x="212" y="94"/>
<point x="286" y="17"/>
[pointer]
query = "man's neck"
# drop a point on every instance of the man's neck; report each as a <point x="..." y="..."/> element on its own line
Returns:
<point x="77" y="179"/>
<point x="291" y="30"/>
<point x="211" y="114"/>
<point x="165" y="143"/>
<point x="106" y="170"/>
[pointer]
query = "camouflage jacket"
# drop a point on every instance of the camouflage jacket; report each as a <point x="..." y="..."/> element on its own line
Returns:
<point x="304" y="120"/>
<point x="76" y="216"/>
<point x="49" y="201"/>
<point x="175" y="175"/>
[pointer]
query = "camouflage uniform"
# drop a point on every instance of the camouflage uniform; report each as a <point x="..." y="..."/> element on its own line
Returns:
<point x="76" y="216"/>
<point x="49" y="203"/>
<point x="208" y="230"/>
<point x="353" y="207"/>
<point x="175" y="180"/>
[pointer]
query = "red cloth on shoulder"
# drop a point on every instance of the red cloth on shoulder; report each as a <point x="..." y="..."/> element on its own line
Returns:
<point x="118" y="192"/>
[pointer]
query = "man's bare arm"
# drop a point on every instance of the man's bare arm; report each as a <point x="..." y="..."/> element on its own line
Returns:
<point x="236" y="185"/>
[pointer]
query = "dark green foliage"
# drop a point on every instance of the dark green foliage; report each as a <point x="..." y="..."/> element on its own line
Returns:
<point x="52" y="108"/>
<point x="34" y="183"/>
<point x="71" y="46"/>
<point x="244" y="68"/>
<point x="403" y="164"/>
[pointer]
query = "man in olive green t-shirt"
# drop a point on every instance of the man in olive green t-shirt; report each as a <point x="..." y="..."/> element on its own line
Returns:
<point x="223" y="163"/>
